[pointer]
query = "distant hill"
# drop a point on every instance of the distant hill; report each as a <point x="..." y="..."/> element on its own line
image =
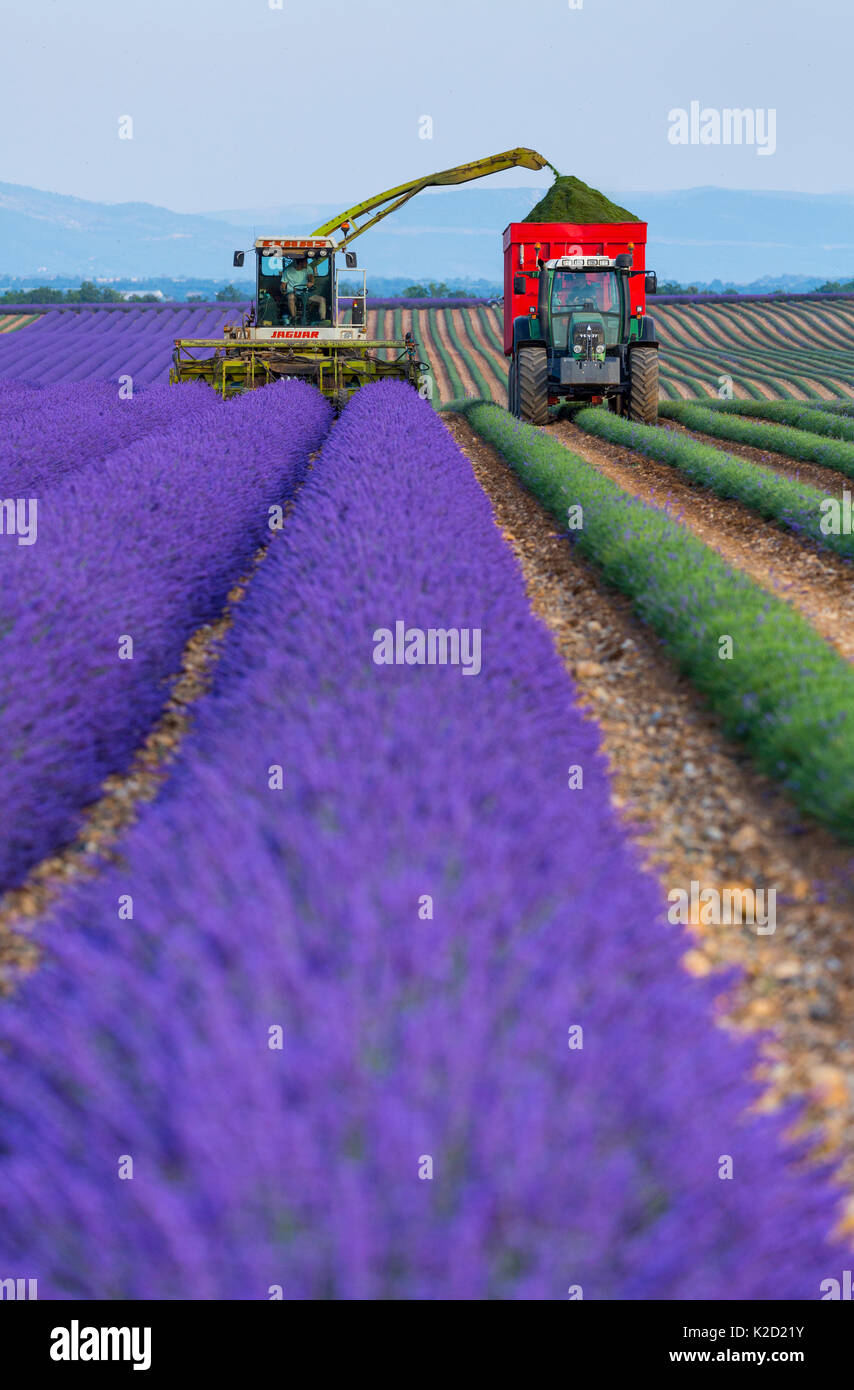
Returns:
<point x="733" y="235"/>
<point x="768" y="284"/>
<point x="59" y="235"/>
<point x="699" y="236"/>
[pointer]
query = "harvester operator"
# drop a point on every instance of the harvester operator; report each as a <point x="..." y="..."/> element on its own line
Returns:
<point x="299" y="278"/>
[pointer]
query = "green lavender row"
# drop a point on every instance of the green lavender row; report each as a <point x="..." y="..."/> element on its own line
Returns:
<point x="797" y="443"/>
<point x="798" y="507"/>
<point x="776" y="684"/>
<point x="799" y="414"/>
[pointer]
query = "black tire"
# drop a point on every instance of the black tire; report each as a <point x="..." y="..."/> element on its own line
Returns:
<point x="511" y="389"/>
<point x="532" y="385"/>
<point x="643" y="383"/>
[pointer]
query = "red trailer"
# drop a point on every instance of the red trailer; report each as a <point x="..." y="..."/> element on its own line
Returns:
<point x="526" y="243"/>
<point x="575" y="320"/>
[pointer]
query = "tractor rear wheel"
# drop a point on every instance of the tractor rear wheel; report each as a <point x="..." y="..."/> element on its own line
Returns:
<point x="511" y="389"/>
<point x="643" y="385"/>
<point x="532" y="385"/>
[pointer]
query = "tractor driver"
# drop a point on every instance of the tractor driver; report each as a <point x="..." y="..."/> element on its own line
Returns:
<point x="578" y="292"/>
<point x="299" y="275"/>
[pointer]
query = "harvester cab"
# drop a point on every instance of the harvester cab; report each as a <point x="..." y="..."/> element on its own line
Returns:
<point x="296" y="291"/>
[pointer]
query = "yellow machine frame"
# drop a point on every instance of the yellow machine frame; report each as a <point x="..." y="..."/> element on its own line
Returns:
<point x="240" y="362"/>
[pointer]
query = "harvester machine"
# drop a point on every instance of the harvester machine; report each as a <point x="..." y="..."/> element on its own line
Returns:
<point x="298" y="326"/>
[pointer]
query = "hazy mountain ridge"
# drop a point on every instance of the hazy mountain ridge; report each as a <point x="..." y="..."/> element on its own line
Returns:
<point x="700" y="235"/>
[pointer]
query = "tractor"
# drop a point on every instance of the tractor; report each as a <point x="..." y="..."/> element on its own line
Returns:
<point x="576" y="326"/>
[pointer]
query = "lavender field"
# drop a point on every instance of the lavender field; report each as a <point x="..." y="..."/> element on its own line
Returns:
<point x="772" y="347"/>
<point x="397" y="1013"/>
<point x="147" y="512"/>
<point x="107" y="343"/>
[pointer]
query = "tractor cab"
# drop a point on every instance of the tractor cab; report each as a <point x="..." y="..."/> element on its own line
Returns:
<point x="583" y="306"/>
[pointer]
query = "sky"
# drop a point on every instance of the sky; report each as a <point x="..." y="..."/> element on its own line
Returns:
<point x="236" y="103"/>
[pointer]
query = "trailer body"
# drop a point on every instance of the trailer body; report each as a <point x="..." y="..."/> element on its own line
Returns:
<point x="527" y="242"/>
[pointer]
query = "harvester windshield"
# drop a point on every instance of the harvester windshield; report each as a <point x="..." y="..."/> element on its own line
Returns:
<point x="295" y="289"/>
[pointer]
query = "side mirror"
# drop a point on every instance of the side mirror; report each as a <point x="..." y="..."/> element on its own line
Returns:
<point x="238" y="258"/>
<point x="350" y="260"/>
<point x="519" y="286"/>
<point x="650" y="282"/>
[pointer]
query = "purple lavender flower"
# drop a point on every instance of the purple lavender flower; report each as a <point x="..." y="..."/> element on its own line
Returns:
<point x="142" y="544"/>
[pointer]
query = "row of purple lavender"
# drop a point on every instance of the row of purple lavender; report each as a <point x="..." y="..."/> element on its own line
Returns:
<point x="140" y="515"/>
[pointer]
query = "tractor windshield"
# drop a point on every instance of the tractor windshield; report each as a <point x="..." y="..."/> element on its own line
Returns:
<point x="295" y="289"/>
<point x="593" y="291"/>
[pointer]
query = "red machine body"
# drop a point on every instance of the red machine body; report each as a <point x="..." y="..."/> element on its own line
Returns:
<point x="527" y="243"/>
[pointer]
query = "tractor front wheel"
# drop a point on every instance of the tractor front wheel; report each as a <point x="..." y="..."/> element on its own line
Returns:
<point x="511" y="390"/>
<point x="531" y="386"/>
<point x="643" y="385"/>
